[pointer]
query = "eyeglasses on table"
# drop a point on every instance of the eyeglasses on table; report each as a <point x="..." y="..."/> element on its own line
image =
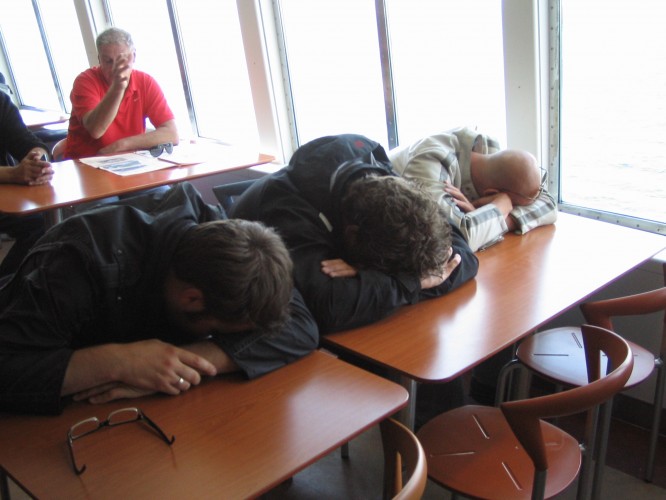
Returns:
<point x="156" y="151"/>
<point x="115" y="418"/>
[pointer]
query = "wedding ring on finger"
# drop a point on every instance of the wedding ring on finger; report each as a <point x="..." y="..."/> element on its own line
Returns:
<point x="181" y="381"/>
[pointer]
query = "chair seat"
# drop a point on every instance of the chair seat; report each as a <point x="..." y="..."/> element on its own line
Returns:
<point x="472" y="450"/>
<point x="558" y="355"/>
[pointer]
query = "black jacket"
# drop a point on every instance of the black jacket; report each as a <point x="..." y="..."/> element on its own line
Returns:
<point x="302" y="202"/>
<point x="97" y="278"/>
<point x="16" y="140"/>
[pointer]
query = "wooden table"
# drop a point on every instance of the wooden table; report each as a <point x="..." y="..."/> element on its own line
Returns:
<point x="234" y="438"/>
<point x="74" y="182"/>
<point x="522" y="283"/>
<point x="38" y="118"/>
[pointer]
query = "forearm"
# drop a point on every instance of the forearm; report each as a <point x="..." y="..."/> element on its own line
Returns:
<point x="482" y="226"/>
<point x="542" y="212"/>
<point x="149" y="365"/>
<point x="99" y="119"/>
<point x="343" y="303"/>
<point x="91" y="367"/>
<point x="165" y="133"/>
<point x="215" y="355"/>
<point x="6" y="175"/>
<point x="257" y="353"/>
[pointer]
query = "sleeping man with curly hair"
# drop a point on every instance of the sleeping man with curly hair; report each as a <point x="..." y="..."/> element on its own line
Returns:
<point x="363" y="240"/>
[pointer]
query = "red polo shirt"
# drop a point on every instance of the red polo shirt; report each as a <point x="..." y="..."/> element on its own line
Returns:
<point x="143" y="99"/>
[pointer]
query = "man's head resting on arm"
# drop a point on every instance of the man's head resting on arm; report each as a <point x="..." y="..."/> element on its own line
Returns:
<point x="393" y="226"/>
<point x="511" y="171"/>
<point x="229" y="276"/>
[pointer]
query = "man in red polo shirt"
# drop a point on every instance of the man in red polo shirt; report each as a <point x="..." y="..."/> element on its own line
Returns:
<point x="110" y="104"/>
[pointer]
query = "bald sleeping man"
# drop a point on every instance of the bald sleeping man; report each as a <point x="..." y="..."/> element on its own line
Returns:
<point x="486" y="192"/>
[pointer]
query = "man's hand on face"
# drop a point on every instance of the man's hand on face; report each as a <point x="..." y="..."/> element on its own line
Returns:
<point x="122" y="70"/>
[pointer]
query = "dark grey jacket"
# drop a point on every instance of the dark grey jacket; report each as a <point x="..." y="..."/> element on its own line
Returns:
<point x="302" y="202"/>
<point x="97" y="278"/>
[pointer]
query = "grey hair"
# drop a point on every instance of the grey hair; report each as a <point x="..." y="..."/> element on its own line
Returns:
<point x="113" y="36"/>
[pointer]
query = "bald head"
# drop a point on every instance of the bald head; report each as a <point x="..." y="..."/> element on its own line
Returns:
<point x="512" y="171"/>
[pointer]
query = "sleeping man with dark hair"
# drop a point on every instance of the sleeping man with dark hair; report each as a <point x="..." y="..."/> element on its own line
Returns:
<point x="128" y="300"/>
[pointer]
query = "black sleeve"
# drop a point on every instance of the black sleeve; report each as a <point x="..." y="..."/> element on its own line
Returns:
<point x="40" y="309"/>
<point x="260" y="353"/>
<point x="15" y="138"/>
<point x="344" y="303"/>
<point x="336" y="303"/>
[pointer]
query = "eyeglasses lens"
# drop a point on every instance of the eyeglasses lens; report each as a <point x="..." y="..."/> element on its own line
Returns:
<point x="156" y="151"/>
<point x="84" y="427"/>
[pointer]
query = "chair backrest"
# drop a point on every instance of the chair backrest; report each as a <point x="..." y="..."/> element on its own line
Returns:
<point x="403" y="454"/>
<point x="524" y="416"/>
<point x="227" y="193"/>
<point x="58" y="151"/>
<point x="600" y="312"/>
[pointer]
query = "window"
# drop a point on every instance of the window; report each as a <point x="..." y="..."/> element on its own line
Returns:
<point x="613" y="103"/>
<point x="333" y="60"/>
<point x="443" y="67"/>
<point x="205" y="45"/>
<point x="27" y="55"/>
<point x="447" y="66"/>
<point x="392" y="70"/>
<point x="155" y="50"/>
<point x="217" y="70"/>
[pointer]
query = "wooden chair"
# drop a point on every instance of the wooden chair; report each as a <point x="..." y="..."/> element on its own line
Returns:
<point x="510" y="452"/>
<point x="556" y="355"/>
<point x="403" y="454"/>
<point x="58" y="151"/>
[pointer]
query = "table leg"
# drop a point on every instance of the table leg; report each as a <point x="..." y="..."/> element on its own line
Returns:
<point x="407" y="415"/>
<point x="52" y="217"/>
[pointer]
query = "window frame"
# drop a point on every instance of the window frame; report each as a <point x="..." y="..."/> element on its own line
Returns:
<point x="554" y="21"/>
<point x="532" y="66"/>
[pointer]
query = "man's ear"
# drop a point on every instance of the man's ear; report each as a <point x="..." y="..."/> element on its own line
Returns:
<point x="351" y="234"/>
<point x="191" y="299"/>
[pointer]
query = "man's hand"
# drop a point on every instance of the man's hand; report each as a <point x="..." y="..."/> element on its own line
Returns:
<point x="501" y="200"/>
<point x="32" y="170"/>
<point x="459" y="198"/>
<point x="166" y="132"/>
<point x="337" y="268"/>
<point x="122" y="70"/>
<point x="148" y="366"/>
<point x="436" y="278"/>
<point x="110" y="392"/>
<point x="157" y="366"/>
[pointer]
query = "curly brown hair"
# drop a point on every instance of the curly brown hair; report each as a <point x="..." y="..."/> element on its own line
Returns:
<point x="243" y="269"/>
<point x="392" y="225"/>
